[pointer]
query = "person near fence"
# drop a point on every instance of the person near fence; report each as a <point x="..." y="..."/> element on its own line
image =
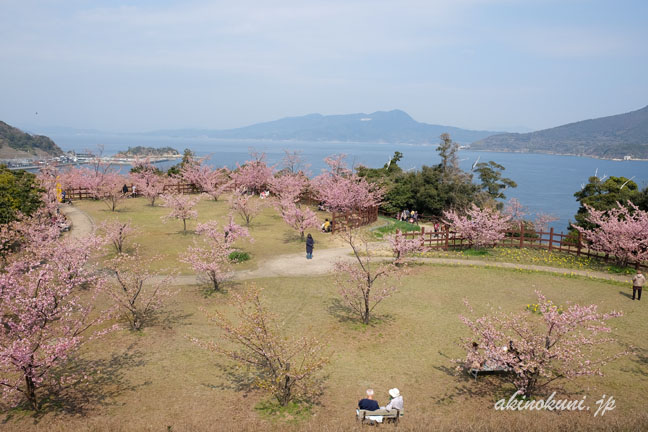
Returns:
<point x="326" y="226"/>
<point x="638" y="281"/>
<point x="133" y="192"/>
<point x="368" y="403"/>
<point x="309" y="246"/>
<point x="125" y="189"/>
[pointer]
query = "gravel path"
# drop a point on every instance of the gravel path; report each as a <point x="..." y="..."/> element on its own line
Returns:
<point x="324" y="260"/>
<point x="81" y="224"/>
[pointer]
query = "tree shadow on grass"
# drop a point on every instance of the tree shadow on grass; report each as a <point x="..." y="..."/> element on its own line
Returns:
<point x="467" y="386"/>
<point x="83" y="384"/>
<point x="169" y="318"/>
<point x="344" y="314"/>
<point x="294" y="237"/>
<point x="236" y="379"/>
<point x="244" y="380"/>
<point x="639" y="358"/>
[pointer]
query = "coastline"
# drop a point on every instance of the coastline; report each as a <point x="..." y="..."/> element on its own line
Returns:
<point x="556" y="154"/>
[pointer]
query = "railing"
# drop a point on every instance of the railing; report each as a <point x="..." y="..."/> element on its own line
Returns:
<point x="353" y="219"/>
<point x="446" y="239"/>
<point x="85" y="193"/>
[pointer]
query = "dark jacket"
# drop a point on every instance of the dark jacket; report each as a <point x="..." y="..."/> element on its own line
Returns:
<point x="368" y="404"/>
<point x="309" y="244"/>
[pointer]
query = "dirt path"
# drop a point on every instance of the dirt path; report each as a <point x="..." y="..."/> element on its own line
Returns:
<point x="81" y="224"/>
<point x="323" y="262"/>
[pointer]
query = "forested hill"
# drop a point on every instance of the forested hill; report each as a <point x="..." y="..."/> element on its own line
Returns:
<point x="382" y="126"/>
<point x="15" y="143"/>
<point x="140" y="151"/>
<point x="606" y="137"/>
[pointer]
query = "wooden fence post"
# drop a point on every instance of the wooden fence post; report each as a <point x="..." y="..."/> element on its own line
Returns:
<point x="521" y="234"/>
<point x="551" y="233"/>
<point x="447" y="236"/>
<point x="578" y="248"/>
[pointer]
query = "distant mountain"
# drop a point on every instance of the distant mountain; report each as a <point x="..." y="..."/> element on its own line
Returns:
<point x="382" y="126"/>
<point x="15" y="143"/>
<point x="611" y="137"/>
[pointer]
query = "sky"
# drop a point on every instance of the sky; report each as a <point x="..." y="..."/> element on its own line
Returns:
<point x="480" y="64"/>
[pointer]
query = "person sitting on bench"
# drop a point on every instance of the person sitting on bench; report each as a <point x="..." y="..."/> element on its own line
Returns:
<point x="396" y="401"/>
<point x="368" y="403"/>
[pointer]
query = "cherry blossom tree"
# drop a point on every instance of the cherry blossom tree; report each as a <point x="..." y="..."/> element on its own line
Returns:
<point x="110" y="190"/>
<point x="138" y="293"/>
<point x="182" y="207"/>
<point x="298" y="218"/>
<point x="365" y="282"/>
<point x="402" y="245"/>
<point x="289" y="187"/>
<point x="621" y="231"/>
<point x="542" y="221"/>
<point x="213" y="182"/>
<point x="343" y="191"/>
<point x="481" y="227"/>
<point x="47" y="293"/>
<point x="284" y="365"/>
<point x="116" y="232"/>
<point x="293" y="162"/>
<point x="540" y="347"/>
<point x="515" y="210"/>
<point x="148" y="180"/>
<point x="42" y="227"/>
<point x="254" y="176"/>
<point x="209" y="255"/>
<point x="246" y="205"/>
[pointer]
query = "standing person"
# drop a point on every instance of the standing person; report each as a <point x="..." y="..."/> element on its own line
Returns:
<point x="638" y="282"/>
<point x="125" y="189"/>
<point x="309" y="246"/>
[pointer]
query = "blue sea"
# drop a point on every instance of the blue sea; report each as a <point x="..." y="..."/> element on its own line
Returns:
<point x="546" y="183"/>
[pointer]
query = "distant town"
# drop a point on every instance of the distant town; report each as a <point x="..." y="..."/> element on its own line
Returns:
<point x="73" y="158"/>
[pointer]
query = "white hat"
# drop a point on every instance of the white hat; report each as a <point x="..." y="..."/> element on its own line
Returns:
<point x="394" y="392"/>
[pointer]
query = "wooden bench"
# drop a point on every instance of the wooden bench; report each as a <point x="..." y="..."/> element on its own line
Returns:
<point x="488" y="369"/>
<point x="378" y="416"/>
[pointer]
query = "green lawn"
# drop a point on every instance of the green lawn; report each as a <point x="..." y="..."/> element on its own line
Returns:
<point x="160" y="381"/>
<point x="540" y="257"/>
<point x="271" y="235"/>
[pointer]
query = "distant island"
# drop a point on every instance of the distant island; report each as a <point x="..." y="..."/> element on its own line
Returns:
<point x="379" y="127"/>
<point x="16" y="144"/>
<point x="622" y="136"/>
<point x="142" y="152"/>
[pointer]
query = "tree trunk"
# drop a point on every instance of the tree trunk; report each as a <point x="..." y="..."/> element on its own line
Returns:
<point x="31" y="392"/>
<point x="184" y="224"/>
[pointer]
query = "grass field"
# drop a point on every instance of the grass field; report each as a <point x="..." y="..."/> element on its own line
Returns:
<point x="272" y="236"/>
<point x="159" y="381"/>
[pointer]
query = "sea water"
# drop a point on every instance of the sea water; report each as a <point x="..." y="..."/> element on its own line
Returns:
<point x="546" y="183"/>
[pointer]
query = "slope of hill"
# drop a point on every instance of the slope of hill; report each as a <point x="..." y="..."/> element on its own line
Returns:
<point x="612" y="137"/>
<point x="382" y="126"/>
<point x="15" y="143"/>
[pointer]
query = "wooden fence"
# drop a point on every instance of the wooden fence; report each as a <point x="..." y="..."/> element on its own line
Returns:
<point x="446" y="239"/>
<point x="354" y="219"/>
<point x="85" y="193"/>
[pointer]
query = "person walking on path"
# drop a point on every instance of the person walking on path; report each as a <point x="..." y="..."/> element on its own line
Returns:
<point x="638" y="281"/>
<point x="309" y="246"/>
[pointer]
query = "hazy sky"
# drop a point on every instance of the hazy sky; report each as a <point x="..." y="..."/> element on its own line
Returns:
<point x="479" y="64"/>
